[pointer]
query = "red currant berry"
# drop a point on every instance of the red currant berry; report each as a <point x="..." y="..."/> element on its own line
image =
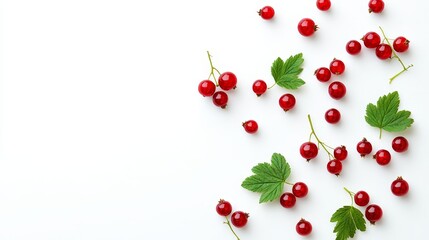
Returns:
<point x="373" y="213"/>
<point x="323" y="74"/>
<point x="250" y="126"/>
<point x="401" y="44"/>
<point x="400" y="144"/>
<point x="303" y="227"/>
<point x="399" y="187"/>
<point x="337" y="90"/>
<point x="287" y="101"/>
<point x="223" y="208"/>
<point x="287" y="200"/>
<point x="340" y="153"/>
<point x="308" y="150"/>
<point x="364" y="147"/>
<point x="300" y="189"/>
<point x="383" y="51"/>
<point x="334" y="166"/>
<point x="382" y="157"/>
<point x="220" y="99"/>
<point x="361" y="198"/>
<point x="227" y="81"/>
<point x="371" y="39"/>
<point x="259" y="87"/>
<point x="307" y="27"/>
<point x="206" y="88"/>
<point x="239" y="219"/>
<point x="376" y="6"/>
<point x="353" y="47"/>
<point x="323" y="5"/>
<point x="337" y="66"/>
<point x="332" y="116"/>
<point x="266" y="12"/>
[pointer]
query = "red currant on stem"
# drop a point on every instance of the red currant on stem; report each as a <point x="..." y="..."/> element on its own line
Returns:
<point x="401" y="44"/>
<point x="371" y="39"/>
<point x="340" y="153"/>
<point x="300" y="189"/>
<point x="334" y="166"/>
<point x="250" y="126"/>
<point x="259" y="87"/>
<point x="383" y="51"/>
<point x="224" y="208"/>
<point x="266" y="12"/>
<point x="319" y="142"/>
<point x="361" y="198"/>
<point x="220" y="99"/>
<point x="399" y="187"/>
<point x="239" y="219"/>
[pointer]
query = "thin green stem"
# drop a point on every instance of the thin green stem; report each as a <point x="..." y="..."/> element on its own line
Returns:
<point x="272" y="85"/>
<point x="288" y="183"/>
<point x="399" y="73"/>
<point x="381" y="130"/>
<point x="212" y="69"/>
<point x="350" y="193"/>
<point x="230" y="227"/>
<point x="318" y="139"/>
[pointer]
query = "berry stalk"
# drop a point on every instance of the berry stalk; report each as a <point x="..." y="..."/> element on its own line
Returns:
<point x="319" y="142"/>
<point x="230" y="227"/>
<point x="212" y="69"/>
<point x="350" y="193"/>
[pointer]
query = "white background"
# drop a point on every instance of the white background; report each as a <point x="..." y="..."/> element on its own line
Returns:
<point x="105" y="136"/>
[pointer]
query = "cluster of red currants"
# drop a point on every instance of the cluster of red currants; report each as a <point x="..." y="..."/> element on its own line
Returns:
<point x="373" y="212"/>
<point x="238" y="218"/>
<point x="382" y="156"/>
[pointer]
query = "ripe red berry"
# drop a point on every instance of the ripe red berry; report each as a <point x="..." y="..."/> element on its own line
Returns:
<point x="364" y="147"/>
<point x="306" y="27"/>
<point x="375" y="6"/>
<point x="382" y="157"/>
<point x="400" y="144"/>
<point x="227" y="81"/>
<point x="371" y="39"/>
<point x="250" y="126"/>
<point x="337" y="90"/>
<point x="266" y="12"/>
<point x="223" y="208"/>
<point x="353" y="47"/>
<point x="287" y="200"/>
<point x="399" y="187"/>
<point x="220" y="99"/>
<point x="373" y="213"/>
<point x="340" y="153"/>
<point x="206" y="88"/>
<point x="334" y="166"/>
<point x="332" y="116"/>
<point x="287" y="101"/>
<point x="300" y="189"/>
<point x="323" y="5"/>
<point x="401" y="44"/>
<point x="308" y="150"/>
<point x="361" y="198"/>
<point x="303" y="227"/>
<point x="323" y="74"/>
<point x="259" y="87"/>
<point x="383" y="51"/>
<point x="337" y="67"/>
<point x="239" y="219"/>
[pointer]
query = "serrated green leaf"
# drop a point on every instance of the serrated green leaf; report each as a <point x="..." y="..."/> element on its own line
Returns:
<point x="285" y="73"/>
<point x="268" y="179"/>
<point x="290" y="81"/>
<point x="348" y="219"/>
<point x="293" y="64"/>
<point x="277" y="69"/>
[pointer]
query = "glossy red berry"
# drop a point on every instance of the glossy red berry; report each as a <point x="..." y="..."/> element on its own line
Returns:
<point x="401" y="44"/>
<point x="223" y="208"/>
<point x="227" y="81"/>
<point x="337" y="67"/>
<point x="306" y="27"/>
<point x="371" y="39"/>
<point x="239" y="219"/>
<point x="340" y="153"/>
<point x="361" y="198"/>
<point x="382" y="157"/>
<point x="206" y="88"/>
<point x="332" y="116"/>
<point x="323" y="74"/>
<point x="334" y="166"/>
<point x="220" y="99"/>
<point x="353" y="47"/>
<point x="259" y="87"/>
<point x="266" y="12"/>
<point x="323" y="5"/>
<point x="399" y="187"/>
<point x="364" y="147"/>
<point x="300" y="189"/>
<point x="375" y="6"/>
<point x="337" y="90"/>
<point x="303" y="227"/>
<point x="373" y="213"/>
<point x="287" y="200"/>
<point x="308" y="150"/>
<point x="400" y="144"/>
<point x="250" y="126"/>
<point x="287" y="101"/>
<point x="383" y="51"/>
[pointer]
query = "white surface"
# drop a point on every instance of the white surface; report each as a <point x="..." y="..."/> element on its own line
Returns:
<point x="104" y="134"/>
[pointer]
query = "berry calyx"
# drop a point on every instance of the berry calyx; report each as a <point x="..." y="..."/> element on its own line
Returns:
<point x="308" y="150"/>
<point x="371" y="39"/>
<point x="206" y="88"/>
<point x="399" y="187"/>
<point x="353" y="47"/>
<point x="337" y="90"/>
<point x="340" y="153"/>
<point x="303" y="227"/>
<point x="300" y="189"/>
<point x="287" y="101"/>
<point x="334" y="166"/>
<point x="220" y="99"/>
<point x="227" y="81"/>
<point x="323" y="5"/>
<point x="239" y="219"/>
<point x="361" y="198"/>
<point x="382" y="157"/>
<point x="250" y="126"/>
<point x="332" y="116"/>
<point x="337" y="66"/>
<point x="375" y="6"/>
<point x="383" y="51"/>
<point x="323" y="74"/>
<point x="223" y="208"/>
<point x="266" y="12"/>
<point x="373" y="213"/>
<point x="400" y="144"/>
<point x="306" y="27"/>
<point x="287" y="200"/>
<point x="364" y="147"/>
<point x="259" y="87"/>
<point x="401" y="44"/>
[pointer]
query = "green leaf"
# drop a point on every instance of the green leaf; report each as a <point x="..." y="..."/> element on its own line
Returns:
<point x="268" y="179"/>
<point x="349" y="219"/>
<point x="385" y="114"/>
<point x="285" y="73"/>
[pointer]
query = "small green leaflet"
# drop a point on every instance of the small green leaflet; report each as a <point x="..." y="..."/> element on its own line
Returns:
<point x="386" y="115"/>
<point x="268" y="179"/>
<point x="348" y="219"/>
<point x="285" y="73"/>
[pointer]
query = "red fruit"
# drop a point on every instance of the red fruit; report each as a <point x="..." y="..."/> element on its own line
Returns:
<point x="287" y="200"/>
<point x="375" y="6"/>
<point x="334" y="166"/>
<point x="223" y="208"/>
<point x="323" y="74"/>
<point x="306" y="27"/>
<point x="340" y="153"/>
<point x="303" y="227"/>
<point x="383" y="51"/>
<point x="353" y="47"/>
<point x="382" y="157"/>
<point x="332" y="116"/>
<point x="308" y="150"/>
<point x="259" y="87"/>
<point x="373" y="213"/>
<point x="399" y="187"/>
<point x="364" y="147"/>
<point x="337" y="67"/>
<point x="401" y="44"/>
<point x="361" y="198"/>
<point x="400" y="144"/>
<point x="337" y="90"/>
<point x="300" y="189"/>
<point x="266" y="12"/>
<point x="287" y="101"/>
<point x="227" y="81"/>
<point x="220" y="99"/>
<point x="250" y="126"/>
<point x="206" y="88"/>
<point x="239" y="219"/>
<point x="371" y="39"/>
<point x="323" y="5"/>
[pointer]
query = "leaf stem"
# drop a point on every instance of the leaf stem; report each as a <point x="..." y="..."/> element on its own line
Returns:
<point x="288" y="183"/>
<point x="381" y="130"/>
<point x="351" y="194"/>
<point x="230" y="227"/>
<point x="324" y="146"/>
<point x="212" y="69"/>
<point x="275" y="83"/>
